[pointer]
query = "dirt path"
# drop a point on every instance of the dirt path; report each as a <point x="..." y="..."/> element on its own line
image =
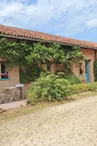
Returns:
<point x="12" y="105"/>
<point x="71" y="124"/>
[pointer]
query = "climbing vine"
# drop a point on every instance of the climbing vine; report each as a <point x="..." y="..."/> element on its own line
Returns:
<point x="28" y="55"/>
<point x="95" y="70"/>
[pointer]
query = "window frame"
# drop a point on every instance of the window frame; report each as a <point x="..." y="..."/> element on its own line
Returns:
<point x="5" y="72"/>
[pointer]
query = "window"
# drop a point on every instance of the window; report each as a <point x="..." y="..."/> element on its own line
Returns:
<point x="4" y="72"/>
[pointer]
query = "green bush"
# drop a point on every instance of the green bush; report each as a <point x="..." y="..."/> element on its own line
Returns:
<point x="80" y="88"/>
<point x="95" y="70"/>
<point x="30" y="74"/>
<point x="48" y="87"/>
<point x="55" y="88"/>
<point x="73" y="79"/>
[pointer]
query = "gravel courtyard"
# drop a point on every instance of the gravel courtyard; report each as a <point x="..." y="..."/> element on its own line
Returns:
<point x="71" y="124"/>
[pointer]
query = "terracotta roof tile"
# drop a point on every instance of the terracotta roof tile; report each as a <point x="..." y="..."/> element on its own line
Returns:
<point x="29" y="34"/>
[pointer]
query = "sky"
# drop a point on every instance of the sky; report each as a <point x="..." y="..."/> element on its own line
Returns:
<point x="69" y="18"/>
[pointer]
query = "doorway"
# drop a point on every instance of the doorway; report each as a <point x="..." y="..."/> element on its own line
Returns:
<point x="87" y="70"/>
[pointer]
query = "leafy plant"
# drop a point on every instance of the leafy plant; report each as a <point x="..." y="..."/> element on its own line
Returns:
<point x="48" y="87"/>
<point x="80" y="88"/>
<point x="72" y="79"/>
<point x="30" y="74"/>
<point x="95" y="70"/>
<point x="26" y="53"/>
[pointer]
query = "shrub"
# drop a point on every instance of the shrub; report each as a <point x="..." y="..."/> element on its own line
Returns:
<point x="80" y="88"/>
<point x="48" y="87"/>
<point x="55" y="88"/>
<point x="30" y="73"/>
<point x="95" y="70"/>
<point x="73" y="79"/>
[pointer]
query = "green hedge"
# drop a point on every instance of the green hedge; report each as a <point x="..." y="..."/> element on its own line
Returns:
<point x="59" y="93"/>
<point x="80" y="88"/>
<point x="95" y="70"/>
<point x="30" y="74"/>
<point x="55" y="88"/>
<point x="48" y="87"/>
<point x="72" y="79"/>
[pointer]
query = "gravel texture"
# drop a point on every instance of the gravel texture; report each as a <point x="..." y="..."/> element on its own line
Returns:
<point x="71" y="124"/>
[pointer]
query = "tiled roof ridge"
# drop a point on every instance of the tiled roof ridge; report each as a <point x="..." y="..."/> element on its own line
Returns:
<point x="30" y="34"/>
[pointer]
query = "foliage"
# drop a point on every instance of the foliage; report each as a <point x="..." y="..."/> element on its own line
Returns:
<point x="80" y="88"/>
<point x="14" y="52"/>
<point x="72" y="54"/>
<point x="48" y="87"/>
<point x="55" y="88"/>
<point x="25" y="53"/>
<point x="72" y="79"/>
<point x="30" y="74"/>
<point x="44" y="54"/>
<point x="95" y="70"/>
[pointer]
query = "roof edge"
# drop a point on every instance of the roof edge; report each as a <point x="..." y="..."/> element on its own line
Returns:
<point x="39" y="40"/>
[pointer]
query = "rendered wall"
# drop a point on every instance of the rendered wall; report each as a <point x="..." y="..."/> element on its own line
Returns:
<point x="88" y="55"/>
<point x="12" y="81"/>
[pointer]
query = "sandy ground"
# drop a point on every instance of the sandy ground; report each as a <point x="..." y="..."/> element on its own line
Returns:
<point x="12" y="105"/>
<point x="71" y="124"/>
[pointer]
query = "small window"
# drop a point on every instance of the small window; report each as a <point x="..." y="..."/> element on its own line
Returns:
<point x="4" y="72"/>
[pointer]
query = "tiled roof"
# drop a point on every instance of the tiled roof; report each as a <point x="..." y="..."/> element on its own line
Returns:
<point x="29" y="34"/>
